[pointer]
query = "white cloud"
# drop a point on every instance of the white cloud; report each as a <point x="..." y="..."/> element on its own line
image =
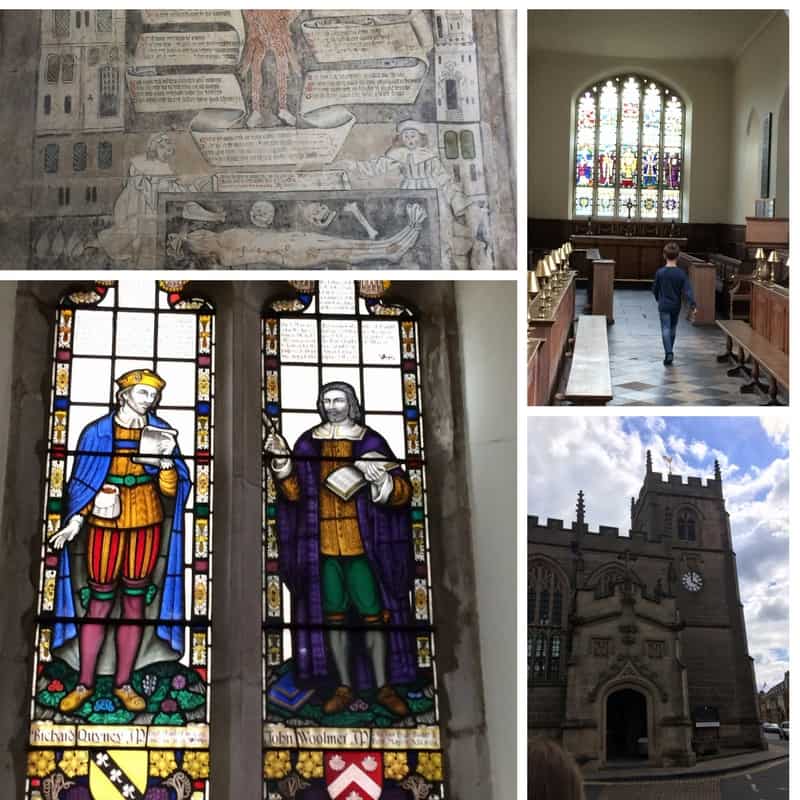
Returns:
<point x="596" y="454"/>
<point x="777" y="428"/>
<point x="698" y="449"/>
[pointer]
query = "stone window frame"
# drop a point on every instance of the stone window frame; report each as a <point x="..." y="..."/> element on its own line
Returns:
<point x="236" y="699"/>
<point x="546" y="638"/>
<point x="698" y="528"/>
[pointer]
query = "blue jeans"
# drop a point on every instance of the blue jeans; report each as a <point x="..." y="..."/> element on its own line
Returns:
<point x="669" y="326"/>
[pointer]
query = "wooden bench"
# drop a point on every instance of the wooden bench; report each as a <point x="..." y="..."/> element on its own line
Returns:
<point x="589" y="381"/>
<point x="763" y="355"/>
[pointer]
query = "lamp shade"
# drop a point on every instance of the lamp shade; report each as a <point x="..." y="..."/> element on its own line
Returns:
<point x="774" y="258"/>
<point x="759" y="254"/>
<point x="533" y="284"/>
<point x="541" y="269"/>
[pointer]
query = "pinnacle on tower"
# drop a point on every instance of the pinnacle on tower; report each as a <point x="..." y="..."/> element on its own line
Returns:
<point x="580" y="509"/>
<point x="649" y="461"/>
<point x="717" y="471"/>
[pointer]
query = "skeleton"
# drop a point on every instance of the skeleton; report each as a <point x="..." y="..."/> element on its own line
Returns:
<point x="354" y="210"/>
<point x="269" y="31"/>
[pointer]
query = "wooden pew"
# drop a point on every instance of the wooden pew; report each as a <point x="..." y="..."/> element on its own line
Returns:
<point x="589" y="382"/>
<point x="603" y="288"/>
<point x="763" y="355"/>
<point x="703" y="277"/>
<point x="537" y="373"/>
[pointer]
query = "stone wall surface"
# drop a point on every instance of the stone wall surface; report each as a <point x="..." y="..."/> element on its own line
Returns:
<point x="250" y="139"/>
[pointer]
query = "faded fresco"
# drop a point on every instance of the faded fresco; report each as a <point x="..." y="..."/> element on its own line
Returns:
<point x="279" y="139"/>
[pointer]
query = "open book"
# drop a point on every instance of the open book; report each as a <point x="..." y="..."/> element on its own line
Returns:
<point x="346" y="481"/>
<point x="155" y="444"/>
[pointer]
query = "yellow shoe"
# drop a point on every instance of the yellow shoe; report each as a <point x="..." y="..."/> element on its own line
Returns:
<point x="75" y="699"/>
<point x="129" y="698"/>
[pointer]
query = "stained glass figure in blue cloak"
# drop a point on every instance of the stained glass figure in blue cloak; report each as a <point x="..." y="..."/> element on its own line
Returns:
<point x="126" y="462"/>
<point x="346" y="555"/>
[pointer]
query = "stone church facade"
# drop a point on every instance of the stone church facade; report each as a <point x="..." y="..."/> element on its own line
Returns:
<point x="636" y="643"/>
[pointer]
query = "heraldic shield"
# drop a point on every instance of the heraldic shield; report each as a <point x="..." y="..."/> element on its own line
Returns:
<point x="118" y="774"/>
<point x="354" y="776"/>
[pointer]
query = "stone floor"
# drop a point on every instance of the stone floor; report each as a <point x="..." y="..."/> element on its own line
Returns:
<point x="638" y="376"/>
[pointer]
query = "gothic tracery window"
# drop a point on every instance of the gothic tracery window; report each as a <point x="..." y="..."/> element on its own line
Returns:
<point x="687" y="525"/>
<point x="546" y="623"/>
<point x="629" y="150"/>
<point x="121" y="694"/>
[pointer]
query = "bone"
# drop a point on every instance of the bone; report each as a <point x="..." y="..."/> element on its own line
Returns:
<point x="352" y="208"/>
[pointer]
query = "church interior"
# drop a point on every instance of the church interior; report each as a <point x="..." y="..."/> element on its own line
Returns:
<point x="645" y="128"/>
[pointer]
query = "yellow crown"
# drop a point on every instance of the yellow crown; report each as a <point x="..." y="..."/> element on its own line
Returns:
<point x="137" y="377"/>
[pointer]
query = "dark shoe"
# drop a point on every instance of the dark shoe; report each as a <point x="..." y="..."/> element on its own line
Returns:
<point x="667" y="361"/>
<point x="389" y="698"/>
<point x="341" y="699"/>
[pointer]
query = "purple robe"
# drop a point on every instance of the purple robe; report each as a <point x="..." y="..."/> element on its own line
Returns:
<point x="386" y="536"/>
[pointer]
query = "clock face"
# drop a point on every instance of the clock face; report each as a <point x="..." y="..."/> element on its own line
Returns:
<point x="692" y="581"/>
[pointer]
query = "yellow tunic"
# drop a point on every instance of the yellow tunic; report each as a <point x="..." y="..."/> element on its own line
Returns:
<point x="141" y="504"/>
<point x="338" y="519"/>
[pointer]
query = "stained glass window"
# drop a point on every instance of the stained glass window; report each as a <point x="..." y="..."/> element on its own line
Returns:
<point x="120" y="702"/>
<point x="350" y="695"/>
<point x="629" y="150"/>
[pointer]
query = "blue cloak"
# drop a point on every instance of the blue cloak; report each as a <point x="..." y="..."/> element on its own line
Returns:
<point x="92" y="463"/>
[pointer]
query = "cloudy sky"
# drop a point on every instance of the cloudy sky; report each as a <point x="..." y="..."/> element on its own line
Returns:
<point x="605" y="456"/>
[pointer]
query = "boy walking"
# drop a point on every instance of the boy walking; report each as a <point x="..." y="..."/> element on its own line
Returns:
<point x="669" y="286"/>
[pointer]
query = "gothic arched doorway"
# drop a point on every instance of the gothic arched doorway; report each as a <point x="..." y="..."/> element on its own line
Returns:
<point x="626" y="725"/>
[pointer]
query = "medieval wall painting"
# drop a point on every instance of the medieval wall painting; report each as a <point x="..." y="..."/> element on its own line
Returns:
<point x="121" y="692"/>
<point x="350" y="707"/>
<point x="269" y="138"/>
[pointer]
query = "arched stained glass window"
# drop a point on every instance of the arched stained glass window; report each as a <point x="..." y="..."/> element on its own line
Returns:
<point x="350" y="701"/>
<point x="629" y="150"/>
<point x="120" y="705"/>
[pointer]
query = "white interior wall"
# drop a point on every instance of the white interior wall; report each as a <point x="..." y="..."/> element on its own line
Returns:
<point x="760" y="86"/>
<point x="556" y="79"/>
<point x="487" y="336"/>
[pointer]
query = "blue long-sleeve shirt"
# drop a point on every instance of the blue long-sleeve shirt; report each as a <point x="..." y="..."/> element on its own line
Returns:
<point x="669" y="286"/>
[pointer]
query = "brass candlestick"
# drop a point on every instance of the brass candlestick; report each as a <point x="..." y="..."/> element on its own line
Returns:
<point x="774" y="258"/>
<point x="759" y="257"/>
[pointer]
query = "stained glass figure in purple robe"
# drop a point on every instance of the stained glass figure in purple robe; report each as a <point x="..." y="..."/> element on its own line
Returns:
<point x="346" y="554"/>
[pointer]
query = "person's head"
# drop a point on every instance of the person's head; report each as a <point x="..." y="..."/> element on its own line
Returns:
<point x="410" y="135"/>
<point x="552" y="772"/>
<point x="337" y="402"/>
<point x="262" y="214"/>
<point x="140" y="390"/>
<point x="159" y="148"/>
<point x="671" y="252"/>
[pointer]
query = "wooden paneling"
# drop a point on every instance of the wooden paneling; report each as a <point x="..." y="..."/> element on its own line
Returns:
<point x="636" y="258"/>
<point x="703" y="277"/>
<point x="767" y="232"/>
<point x="537" y="373"/>
<point x="603" y="288"/>
<point x="769" y="314"/>
<point x="554" y="329"/>
<point x="701" y="237"/>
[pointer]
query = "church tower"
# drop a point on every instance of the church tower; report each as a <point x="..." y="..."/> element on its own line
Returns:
<point x="687" y="517"/>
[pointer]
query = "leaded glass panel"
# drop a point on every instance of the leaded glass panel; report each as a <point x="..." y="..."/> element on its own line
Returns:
<point x="121" y="693"/>
<point x="350" y="697"/>
<point x="629" y="162"/>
